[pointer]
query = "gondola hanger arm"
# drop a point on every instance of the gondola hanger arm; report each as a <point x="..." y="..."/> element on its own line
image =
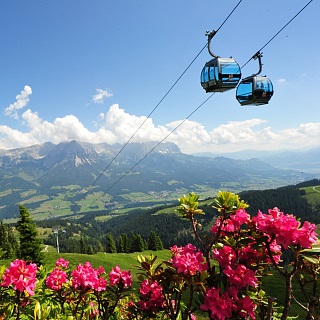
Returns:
<point x="210" y="35"/>
<point x="258" y="56"/>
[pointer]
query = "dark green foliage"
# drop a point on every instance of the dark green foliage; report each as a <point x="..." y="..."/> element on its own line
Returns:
<point x="90" y="249"/>
<point x="83" y="245"/>
<point x="75" y="208"/>
<point x="123" y="244"/>
<point x="154" y="242"/>
<point x="30" y="244"/>
<point x="110" y="244"/>
<point x="14" y="243"/>
<point x="287" y="199"/>
<point x="137" y="244"/>
<point x="310" y="183"/>
<point x="5" y="244"/>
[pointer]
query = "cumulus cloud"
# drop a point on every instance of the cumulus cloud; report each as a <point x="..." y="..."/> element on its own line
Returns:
<point x="22" y="100"/>
<point x="235" y="132"/>
<point x="101" y="95"/>
<point x="118" y="126"/>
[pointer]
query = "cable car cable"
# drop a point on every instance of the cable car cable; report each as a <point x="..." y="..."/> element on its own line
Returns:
<point x="161" y="100"/>
<point x="157" y="145"/>
<point x="277" y="33"/>
<point x="132" y="136"/>
<point x="201" y="104"/>
<point x="229" y="15"/>
<point x="256" y="89"/>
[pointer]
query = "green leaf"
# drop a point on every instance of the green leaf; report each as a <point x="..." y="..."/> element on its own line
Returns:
<point x="311" y="259"/>
<point x="145" y="265"/>
<point x="246" y="241"/>
<point x="313" y="250"/>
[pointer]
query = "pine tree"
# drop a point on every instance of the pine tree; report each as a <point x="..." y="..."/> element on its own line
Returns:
<point x="13" y="242"/>
<point x="83" y="246"/>
<point x="90" y="249"/>
<point x="30" y="244"/>
<point x="137" y="243"/>
<point x="5" y="244"/>
<point x="110" y="244"/>
<point x="154" y="242"/>
<point x="124" y="243"/>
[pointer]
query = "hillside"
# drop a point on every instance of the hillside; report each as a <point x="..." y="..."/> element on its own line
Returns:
<point x="295" y="200"/>
<point x="74" y="177"/>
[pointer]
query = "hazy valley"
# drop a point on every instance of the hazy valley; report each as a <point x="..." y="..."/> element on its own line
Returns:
<point x="75" y="178"/>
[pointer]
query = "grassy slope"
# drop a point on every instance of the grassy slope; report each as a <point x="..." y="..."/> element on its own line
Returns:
<point x="313" y="195"/>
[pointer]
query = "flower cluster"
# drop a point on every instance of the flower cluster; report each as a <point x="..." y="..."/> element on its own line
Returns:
<point x="227" y="305"/>
<point x="231" y="225"/>
<point x="151" y="296"/>
<point x="122" y="277"/>
<point x="285" y="228"/>
<point x="56" y="279"/>
<point x="87" y="277"/>
<point x="21" y="275"/>
<point x="242" y="246"/>
<point x="58" y="276"/>
<point x="239" y="276"/>
<point x="61" y="263"/>
<point x="187" y="260"/>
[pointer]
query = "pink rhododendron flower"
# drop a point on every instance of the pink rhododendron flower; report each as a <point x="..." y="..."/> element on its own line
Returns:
<point x="285" y="228"/>
<point x="187" y="260"/>
<point x="275" y="250"/>
<point x="124" y="277"/>
<point x="227" y="227"/>
<point x="62" y="263"/>
<point x="226" y="256"/>
<point x="219" y="305"/>
<point x="21" y="275"/>
<point x="86" y="277"/>
<point x="241" y="276"/>
<point x="306" y="235"/>
<point x="239" y="218"/>
<point x="249" y="256"/>
<point x="246" y="308"/>
<point x="151" y="296"/>
<point x="232" y="224"/>
<point x="56" y="279"/>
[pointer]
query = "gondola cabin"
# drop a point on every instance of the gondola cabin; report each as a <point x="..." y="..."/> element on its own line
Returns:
<point x="220" y="74"/>
<point x="254" y="90"/>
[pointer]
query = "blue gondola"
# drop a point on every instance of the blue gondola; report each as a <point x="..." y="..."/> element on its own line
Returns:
<point x="219" y="74"/>
<point x="255" y="90"/>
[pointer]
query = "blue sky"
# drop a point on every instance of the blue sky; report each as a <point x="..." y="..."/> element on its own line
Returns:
<point x="93" y="70"/>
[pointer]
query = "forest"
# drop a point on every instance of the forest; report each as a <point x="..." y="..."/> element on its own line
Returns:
<point x="156" y="228"/>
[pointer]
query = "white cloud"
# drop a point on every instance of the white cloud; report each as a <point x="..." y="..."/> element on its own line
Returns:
<point x="281" y="81"/>
<point x="118" y="126"/>
<point x="101" y="95"/>
<point x="22" y="100"/>
<point x="235" y="132"/>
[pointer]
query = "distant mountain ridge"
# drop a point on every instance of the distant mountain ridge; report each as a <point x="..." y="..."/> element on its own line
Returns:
<point x="302" y="160"/>
<point x="73" y="162"/>
<point x="41" y="173"/>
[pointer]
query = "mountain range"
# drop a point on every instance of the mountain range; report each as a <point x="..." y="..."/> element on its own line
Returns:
<point x="40" y="173"/>
<point x="306" y="160"/>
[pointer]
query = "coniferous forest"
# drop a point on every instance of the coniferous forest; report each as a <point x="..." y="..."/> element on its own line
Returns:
<point x="148" y="229"/>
